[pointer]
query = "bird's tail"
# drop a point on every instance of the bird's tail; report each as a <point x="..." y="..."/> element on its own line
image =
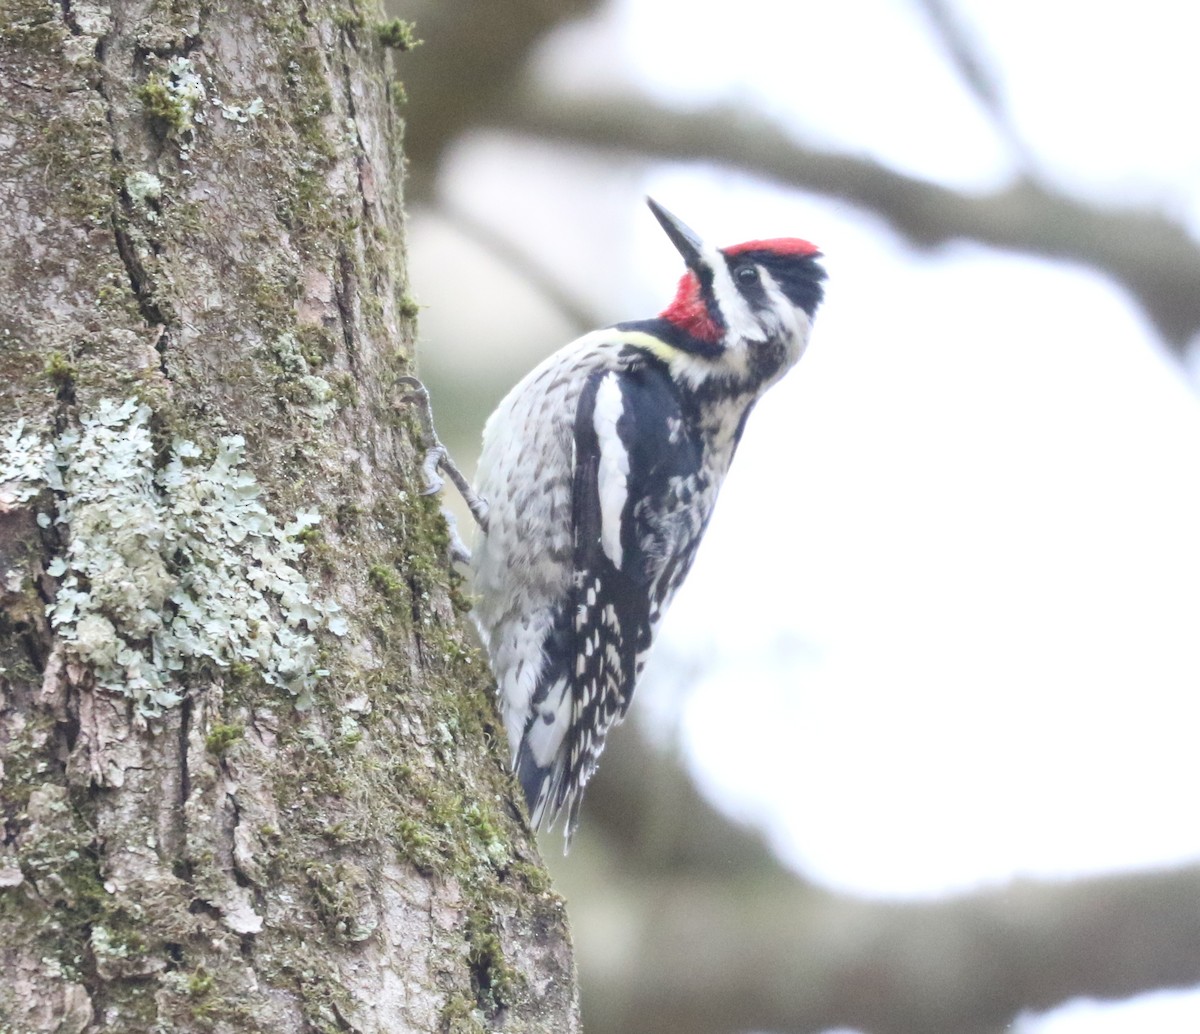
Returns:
<point x="545" y="792"/>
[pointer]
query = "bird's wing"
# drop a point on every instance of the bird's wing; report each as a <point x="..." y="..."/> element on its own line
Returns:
<point x="635" y="533"/>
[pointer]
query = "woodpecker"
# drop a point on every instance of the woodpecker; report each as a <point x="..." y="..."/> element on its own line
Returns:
<point x="597" y="479"/>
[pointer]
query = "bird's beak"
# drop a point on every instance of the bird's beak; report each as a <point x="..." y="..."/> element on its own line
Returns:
<point x="685" y="240"/>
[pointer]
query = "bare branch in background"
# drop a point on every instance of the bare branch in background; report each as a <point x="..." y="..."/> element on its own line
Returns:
<point x="518" y="260"/>
<point x="469" y="78"/>
<point x="975" y="71"/>
<point x="1150" y="256"/>
<point x="718" y="936"/>
<point x="783" y="957"/>
<point x="471" y="68"/>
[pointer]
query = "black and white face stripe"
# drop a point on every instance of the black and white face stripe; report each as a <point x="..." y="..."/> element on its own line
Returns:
<point x="731" y="307"/>
<point x="747" y="278"/>
<point x="745" y="291"/>
<point x="708" y="294"/>
<point x="798" y="277"/>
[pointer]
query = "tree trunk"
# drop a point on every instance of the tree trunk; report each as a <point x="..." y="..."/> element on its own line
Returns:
<point x="252" y="776"/>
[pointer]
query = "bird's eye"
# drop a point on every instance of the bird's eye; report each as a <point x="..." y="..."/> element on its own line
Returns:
<point x="747" y="275"/>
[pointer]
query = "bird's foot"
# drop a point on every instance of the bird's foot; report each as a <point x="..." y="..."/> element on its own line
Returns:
<point x="437" y="461"/>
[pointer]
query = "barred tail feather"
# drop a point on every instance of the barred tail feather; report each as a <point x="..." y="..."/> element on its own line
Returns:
<point x="547" y="791"/>
<point x="551" y="792"/>
<point x="537" y="782"/>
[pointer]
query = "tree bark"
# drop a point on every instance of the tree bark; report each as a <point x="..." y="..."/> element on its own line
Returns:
<point x="252" y="778"/>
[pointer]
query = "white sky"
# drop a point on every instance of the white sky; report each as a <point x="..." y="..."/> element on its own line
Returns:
<point x="965" y="647"/>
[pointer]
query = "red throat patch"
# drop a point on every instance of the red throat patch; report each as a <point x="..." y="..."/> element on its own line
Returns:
<point x="689" y="313"/>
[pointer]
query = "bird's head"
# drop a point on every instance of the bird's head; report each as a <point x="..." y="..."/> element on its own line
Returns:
<point x="746" y="310"/>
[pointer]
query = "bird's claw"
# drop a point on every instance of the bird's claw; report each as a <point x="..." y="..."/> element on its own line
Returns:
<point x="434" y="482"/>
<point x="458" y="549"/>
<point x="437" y="456"/>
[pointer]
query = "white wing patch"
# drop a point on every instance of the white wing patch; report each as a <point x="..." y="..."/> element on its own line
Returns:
<point x="612" y="472"/>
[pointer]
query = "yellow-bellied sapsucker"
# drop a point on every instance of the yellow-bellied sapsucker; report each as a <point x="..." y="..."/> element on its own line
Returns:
<point x="599" y="471"/>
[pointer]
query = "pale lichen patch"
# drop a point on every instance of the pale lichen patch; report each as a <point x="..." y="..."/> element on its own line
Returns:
<point x="165" y="568"/>
<point x="187" y="86"/>
<point x="238" y="113"/>
<point x="312" y="395"/>
<point x="144" y="190"/>
<point x="24" y="462"/>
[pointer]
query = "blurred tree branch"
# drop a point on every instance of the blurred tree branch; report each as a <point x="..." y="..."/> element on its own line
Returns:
<point x="717" y="936"/>
<point x="977" y="74"/>
<point x="477" y="76"/>
<point x="1154" y="259"/>
<point x="477" y="56"/>
<point x="729" y="954"/>
<point x="504" y="249"/>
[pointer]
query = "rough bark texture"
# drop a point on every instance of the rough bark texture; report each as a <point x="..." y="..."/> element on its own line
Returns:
<point x="207" y="499"/>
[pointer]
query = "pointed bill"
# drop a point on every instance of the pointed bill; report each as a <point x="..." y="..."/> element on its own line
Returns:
<point x="686" y="242"/>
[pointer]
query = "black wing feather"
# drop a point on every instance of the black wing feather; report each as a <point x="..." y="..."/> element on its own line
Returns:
<point x="615" y="610"/>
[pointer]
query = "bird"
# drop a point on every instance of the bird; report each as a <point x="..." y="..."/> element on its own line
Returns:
<point x="596" y="481"/>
